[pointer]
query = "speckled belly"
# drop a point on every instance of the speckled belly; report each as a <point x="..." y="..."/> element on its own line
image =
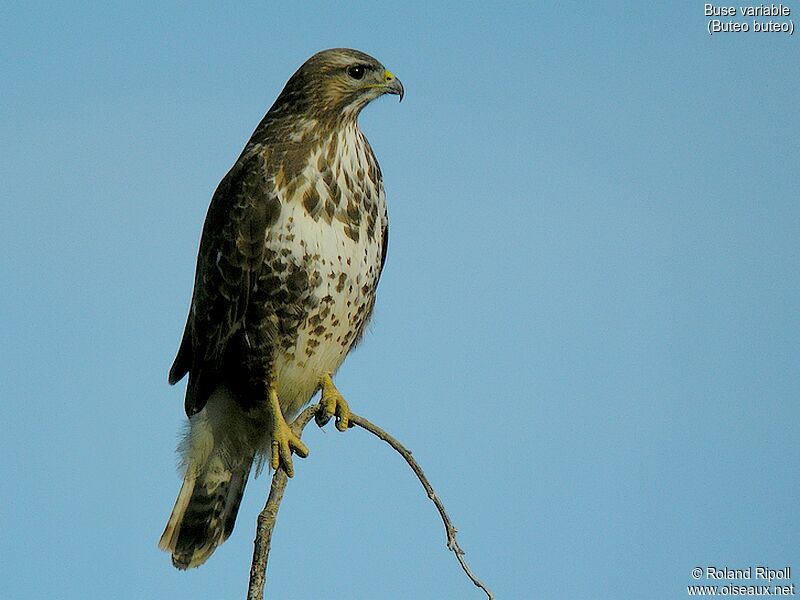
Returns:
<point x="342" y="275"/>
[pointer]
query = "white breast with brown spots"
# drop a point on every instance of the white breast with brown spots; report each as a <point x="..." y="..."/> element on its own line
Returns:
<point x="332" y="225"/>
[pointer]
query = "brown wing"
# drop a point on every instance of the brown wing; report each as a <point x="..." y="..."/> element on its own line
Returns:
<point x="384" y="247"/>
<point x="230" y="259"/>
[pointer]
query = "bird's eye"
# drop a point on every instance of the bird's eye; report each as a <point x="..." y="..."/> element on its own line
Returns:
<point x="356" y="71"/>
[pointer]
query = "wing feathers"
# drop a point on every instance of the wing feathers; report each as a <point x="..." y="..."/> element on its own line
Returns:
<point x="230" y="259"/>
<point x="183" y="361"/>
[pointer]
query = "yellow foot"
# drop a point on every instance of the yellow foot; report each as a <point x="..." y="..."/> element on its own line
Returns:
<point x="284" y="440"/>
<point x="333" y="404"/>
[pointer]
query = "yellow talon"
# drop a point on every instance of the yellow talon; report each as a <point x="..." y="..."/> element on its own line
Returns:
<point x="284" y="440"/>
<point x="333" y="404"/>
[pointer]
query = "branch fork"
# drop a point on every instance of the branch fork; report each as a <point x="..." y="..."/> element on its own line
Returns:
<point x="269" y="514"/>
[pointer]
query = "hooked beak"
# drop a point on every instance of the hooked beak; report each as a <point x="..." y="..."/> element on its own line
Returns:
<point x="392" y="84"/>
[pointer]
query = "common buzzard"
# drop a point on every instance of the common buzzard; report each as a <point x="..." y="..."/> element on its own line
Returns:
<point x="292" y="249"/>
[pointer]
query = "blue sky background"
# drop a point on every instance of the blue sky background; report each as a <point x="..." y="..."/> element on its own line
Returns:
<point x="587" y="330"/>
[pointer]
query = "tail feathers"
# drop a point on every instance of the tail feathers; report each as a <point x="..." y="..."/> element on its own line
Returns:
<point x="204" y="512"/>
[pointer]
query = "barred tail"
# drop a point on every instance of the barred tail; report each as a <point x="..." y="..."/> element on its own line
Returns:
<point x="204" y="513"/>
<point x="218" y="460"/>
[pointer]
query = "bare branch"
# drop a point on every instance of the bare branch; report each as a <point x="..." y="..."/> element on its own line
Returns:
<point x="267" y="517"/>
<point x="450" y="529"/>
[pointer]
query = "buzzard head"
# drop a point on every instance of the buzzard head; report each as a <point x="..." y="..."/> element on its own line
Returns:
<point x="337" y="83"/>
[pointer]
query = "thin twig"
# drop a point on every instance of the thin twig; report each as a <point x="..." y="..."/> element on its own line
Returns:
<point x="268" y="516"/>
<point x="450" y="529"/>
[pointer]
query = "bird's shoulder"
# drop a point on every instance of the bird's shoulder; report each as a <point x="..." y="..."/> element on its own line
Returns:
<point x="244" y="201"/>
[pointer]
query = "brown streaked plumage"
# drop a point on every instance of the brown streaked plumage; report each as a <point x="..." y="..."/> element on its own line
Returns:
<point x="291" y="253"/>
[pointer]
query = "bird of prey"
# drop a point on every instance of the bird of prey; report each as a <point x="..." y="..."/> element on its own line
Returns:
<point x="290" y="256"/>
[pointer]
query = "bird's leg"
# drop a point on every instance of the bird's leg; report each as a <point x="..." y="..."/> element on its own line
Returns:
<point x="284" y="440"/>
<point x="332" y="403"/>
